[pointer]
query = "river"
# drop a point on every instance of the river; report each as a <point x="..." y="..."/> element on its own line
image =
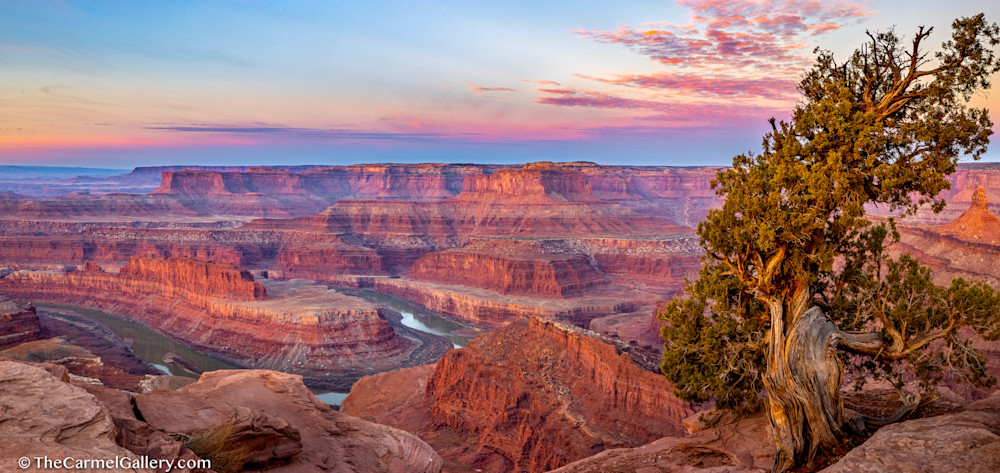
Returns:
<point x="162" y="352"/>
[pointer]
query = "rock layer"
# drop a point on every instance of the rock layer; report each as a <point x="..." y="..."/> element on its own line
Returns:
<point x="543" y="268"/>
<point x="303" y="328"/>
<point x="43" y="416"/>
<point x="531" y="396"/>
<point x="17" y="324"/>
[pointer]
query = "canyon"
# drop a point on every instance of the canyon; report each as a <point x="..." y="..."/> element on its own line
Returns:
<point x="297" y="327"/>
<point x="562" y="264"/>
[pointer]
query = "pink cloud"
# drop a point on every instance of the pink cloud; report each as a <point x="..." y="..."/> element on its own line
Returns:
<point x="540" y="81"/>
<point x="709" y="85"/>
<point x="765" y="35"/>
<point x="696" y="112"/>
<point x="556" y="91"/>
<point x="491" y="89"/>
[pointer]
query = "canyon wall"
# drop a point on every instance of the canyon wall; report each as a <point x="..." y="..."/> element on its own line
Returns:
<point x="529" y="397"/>
<point x="482" y="307"/>
<point x="304" y="329"/>
<point x="543" y="268"/>
<point x="17" y="324"/>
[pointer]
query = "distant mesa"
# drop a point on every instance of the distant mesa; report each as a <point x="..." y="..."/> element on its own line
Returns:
<point x="977" y="223"/>
<point x="540" y="182"/>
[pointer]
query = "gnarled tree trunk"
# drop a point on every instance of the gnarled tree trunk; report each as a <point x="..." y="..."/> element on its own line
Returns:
<point x="803" y="380"/>
<point x="803" y="384"/>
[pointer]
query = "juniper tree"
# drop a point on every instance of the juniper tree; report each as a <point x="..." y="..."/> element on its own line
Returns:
<point x="797" y="284"/>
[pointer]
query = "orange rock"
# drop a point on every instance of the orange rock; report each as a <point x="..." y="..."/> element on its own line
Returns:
<point x="538" y="268"/>
<point x="288" y="428"/>
<point x="302" y="328"/>
<point x="976" y="224"/>
<point x="17" y="324"/>
<point x="529" y="397"/>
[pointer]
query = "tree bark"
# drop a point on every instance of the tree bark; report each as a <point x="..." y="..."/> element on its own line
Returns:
<point x="803" y="380"/>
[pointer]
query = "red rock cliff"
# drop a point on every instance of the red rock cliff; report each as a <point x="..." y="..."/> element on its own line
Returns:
<point x="306" y="329"/>
<point x="529" y="397"/>
<point x="224" y="281"/>
<point x="538" y="268"/>
<point x="17" y="324"/>
<point x="538" y="182"/>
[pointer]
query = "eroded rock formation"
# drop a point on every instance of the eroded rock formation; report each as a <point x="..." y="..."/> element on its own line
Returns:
<point x="542" y="268"/>
<point x="17" y="324"/>
<point x="531" y="396"/>
<point x="283" y="427"/>
<point x="42" y="415"/>
<point x="259" y="420"/>
<point x="965" y="442"/>
<point x="300" y="327"/>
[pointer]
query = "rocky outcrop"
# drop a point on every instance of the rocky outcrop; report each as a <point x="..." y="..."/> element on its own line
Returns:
<point x="282" y="427"/>
<point x="299" y="327"/>
<point x="665" y="260"/>
<point x="536" y="183"/>
<point x="531" y="396"/>
<point x="17" y="324"/>
<point x="717" y="442"/>
<point x="258" y="420"/>
<point x="538" y="268"/>
<point x="136" y="435"/>
<point x="186" y="274"/>
<point x="966" y="442"/>
<point x="534" y="201"/>
<point x="976" y="224"/>
<point x="44" y="416"/>
<point x="963" y="247"/>
<point x="329" y="184"/>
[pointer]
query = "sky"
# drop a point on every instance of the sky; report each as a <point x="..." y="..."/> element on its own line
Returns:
<point x="686" y="82"/>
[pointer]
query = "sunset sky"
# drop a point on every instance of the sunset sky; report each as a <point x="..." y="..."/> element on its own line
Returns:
<point x="691" y="82"/>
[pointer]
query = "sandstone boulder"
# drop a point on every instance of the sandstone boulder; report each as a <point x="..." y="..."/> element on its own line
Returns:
<point x="966" y="442"/>
<point x="287" y="428"/>
<point x="718" y="442"/>
<point x="43" y="416"/>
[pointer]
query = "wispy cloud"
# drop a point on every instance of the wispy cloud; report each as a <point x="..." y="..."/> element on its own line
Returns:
<point x="540" y="81"/>
<point x="707" y="84"/>
<point x="675" y="110"/>
<point x="765" y="35"/>
<point x="732" y="63"/>
<point x="490" y="89"/>
<point x="335" y="133"/>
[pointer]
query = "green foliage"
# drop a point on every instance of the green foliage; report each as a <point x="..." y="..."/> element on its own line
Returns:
<point x="898" y="298"/>
<point x="884" y="128"/>
<point x="718" y="356"/>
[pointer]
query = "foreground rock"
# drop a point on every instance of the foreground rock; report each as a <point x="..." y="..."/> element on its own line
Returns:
<point x="258" y="420"/>
<point x="43" y="416"/>
<point x="529" y="397"/>
<point x="719" y="442"/>
<point x="283" y="426"/>
<point x="966" y="442"/>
